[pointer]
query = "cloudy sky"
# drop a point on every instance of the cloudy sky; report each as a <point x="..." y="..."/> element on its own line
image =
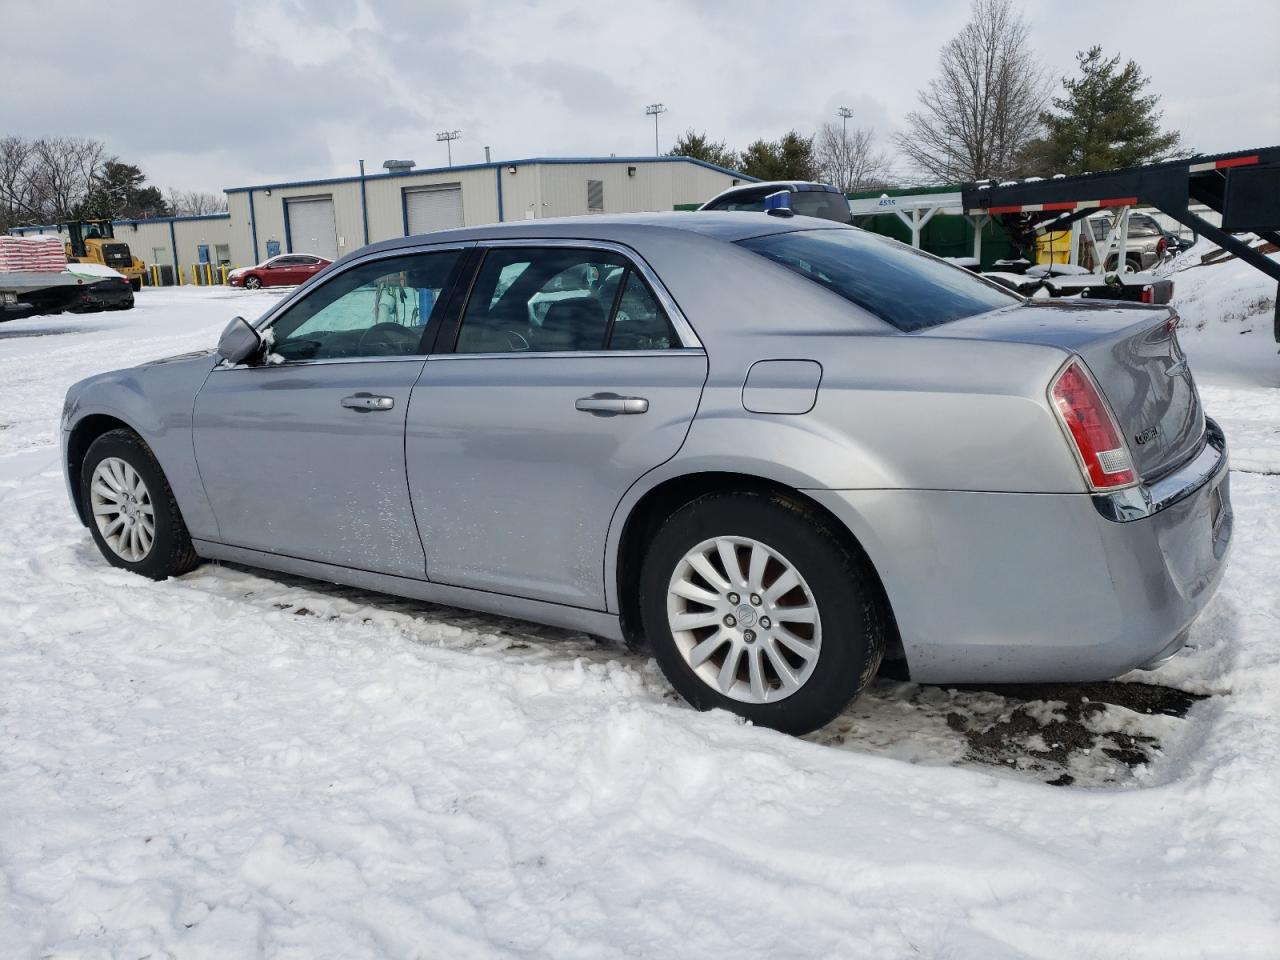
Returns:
<point x="212" y="95"/>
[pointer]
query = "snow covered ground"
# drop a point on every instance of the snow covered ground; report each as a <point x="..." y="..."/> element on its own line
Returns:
<point x="235" y="764"/>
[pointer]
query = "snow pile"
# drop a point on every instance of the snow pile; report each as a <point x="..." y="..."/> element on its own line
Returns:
<point x="1228" y="318"/>
<point x="1229" y="291"/>
<point x="95" y="270"/>
<point x="233" y="764"/>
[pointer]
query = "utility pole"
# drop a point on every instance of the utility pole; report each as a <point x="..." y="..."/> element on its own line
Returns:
<point x="845" y="113"/>
<point x="448" y="136"/>
<point x="655" y="110"/>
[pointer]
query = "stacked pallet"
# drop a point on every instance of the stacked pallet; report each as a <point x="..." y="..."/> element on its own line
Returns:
<point x="32" y="254"/>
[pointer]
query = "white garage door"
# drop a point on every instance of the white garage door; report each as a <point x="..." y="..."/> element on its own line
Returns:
<point x="312" y="228"/>
<point x="433" y="208"/>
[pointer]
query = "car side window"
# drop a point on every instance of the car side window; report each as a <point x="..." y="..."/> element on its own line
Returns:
<point x="540" y="300"/>
<point x="1141" y="226"/>
<point x="639" y="322"/>
<point x="751" y="203"/>
<point x="376" y="309"/>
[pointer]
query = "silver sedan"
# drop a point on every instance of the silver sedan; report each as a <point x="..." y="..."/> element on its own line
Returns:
<point x="775" y="449"/>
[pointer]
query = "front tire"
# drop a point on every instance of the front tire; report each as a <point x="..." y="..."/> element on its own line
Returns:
<point x="252" y="283"/>
<point x="752" y="604"/>
<point x="132" y="513"/>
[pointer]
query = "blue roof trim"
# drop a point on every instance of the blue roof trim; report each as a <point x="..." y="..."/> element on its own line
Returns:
<point x="129" y="223"/>
<point x="392" y="174"/>
<point x="185" y="219"/>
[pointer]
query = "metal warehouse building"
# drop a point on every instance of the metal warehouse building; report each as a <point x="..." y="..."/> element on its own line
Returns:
<point x="333" y="217"/>
<point x="167" y="241"/>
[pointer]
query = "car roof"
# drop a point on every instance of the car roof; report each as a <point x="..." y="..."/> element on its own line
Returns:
<point x="630" y="229"/>
<point x="773" y="186"/>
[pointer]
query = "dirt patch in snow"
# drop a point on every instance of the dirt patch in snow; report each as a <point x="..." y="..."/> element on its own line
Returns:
<point x="1050" y="727"/>
<point x="1083" y="734"/>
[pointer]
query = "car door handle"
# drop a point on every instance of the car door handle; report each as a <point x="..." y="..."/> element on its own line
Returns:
<point x="611" y="405"/>
<point x="367" y="401"/>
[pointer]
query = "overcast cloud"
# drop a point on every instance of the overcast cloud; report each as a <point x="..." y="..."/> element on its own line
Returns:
<point x="212" y="95"/>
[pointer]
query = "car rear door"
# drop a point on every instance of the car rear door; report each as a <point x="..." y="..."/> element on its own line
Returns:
<point x="303" y="455"/>
<point x="571" y="375"/>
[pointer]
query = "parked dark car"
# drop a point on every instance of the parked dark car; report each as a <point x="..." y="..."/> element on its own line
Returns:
<point x="807" y="199"/>
<point x="286" y="270"/>
<point x="109" y="293"/>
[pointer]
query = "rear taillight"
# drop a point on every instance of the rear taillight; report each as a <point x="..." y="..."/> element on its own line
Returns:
<point x="1093" y="431"/>
<point x="1148" y="294"/>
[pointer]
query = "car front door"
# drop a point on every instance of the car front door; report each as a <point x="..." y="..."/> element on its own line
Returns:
<point x="292" y="270"/>
<point x="570" y="376"/>
<point x="274" y="273"/>
<point x="304" y="269"/>
<point x="303" y="454"/>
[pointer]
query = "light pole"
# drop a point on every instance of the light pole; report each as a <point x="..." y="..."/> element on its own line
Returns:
<point x="654" y="110"/>
<point x="448" y="136"/>
<point x="845" y="113"/>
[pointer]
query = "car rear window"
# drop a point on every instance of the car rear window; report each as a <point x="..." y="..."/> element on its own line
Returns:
<point x="906" y="288"/>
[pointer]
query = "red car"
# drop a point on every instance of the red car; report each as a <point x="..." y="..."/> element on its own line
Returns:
<point x="285" y="270"/>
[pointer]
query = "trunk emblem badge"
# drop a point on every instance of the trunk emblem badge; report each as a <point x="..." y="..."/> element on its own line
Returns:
<point x="1147" y="435"/>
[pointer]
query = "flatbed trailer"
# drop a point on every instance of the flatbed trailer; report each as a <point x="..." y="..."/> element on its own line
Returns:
<point x="1243" y="186"/>
<point x="27" y="294"/>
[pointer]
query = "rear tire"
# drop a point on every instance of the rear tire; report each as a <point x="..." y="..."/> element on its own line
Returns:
<point x="786" y="657"/>
<point x="131" y="510"/>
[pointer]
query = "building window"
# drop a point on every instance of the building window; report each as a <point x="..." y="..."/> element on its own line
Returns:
<point x="595" y="196"/>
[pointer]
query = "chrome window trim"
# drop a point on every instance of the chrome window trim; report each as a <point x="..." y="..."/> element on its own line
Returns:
<point x="684" y="330"/>
<point x="569" y="354"/>
<point x="290" y="364"/>
<point x="1135" y="503"/>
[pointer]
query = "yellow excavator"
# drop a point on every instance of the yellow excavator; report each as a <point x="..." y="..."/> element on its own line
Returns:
<point x="94" y="241"/>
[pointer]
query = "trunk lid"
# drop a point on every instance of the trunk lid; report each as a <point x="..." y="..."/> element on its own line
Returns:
<point x="1133" y="353"/>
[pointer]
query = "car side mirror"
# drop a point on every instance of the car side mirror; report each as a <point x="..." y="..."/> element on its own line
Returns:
<point x="239" y="341"/>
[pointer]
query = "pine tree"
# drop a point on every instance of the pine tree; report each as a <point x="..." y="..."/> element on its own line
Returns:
<point x="700" y="147"/>
<point x="788" y="158"/>
<point x="119" y="190"/>
<point x="1102" y="122"/>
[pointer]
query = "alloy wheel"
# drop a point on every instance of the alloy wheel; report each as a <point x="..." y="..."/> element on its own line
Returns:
<point x="122" y="509"/>
<point x="744" y="619"/>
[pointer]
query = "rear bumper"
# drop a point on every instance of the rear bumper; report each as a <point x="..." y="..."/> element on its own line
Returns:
<point x="1004" y="587"/>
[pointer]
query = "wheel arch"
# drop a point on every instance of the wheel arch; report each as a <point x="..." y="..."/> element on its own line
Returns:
<point x="662" y="499"/>
<point x="81" y="437"/>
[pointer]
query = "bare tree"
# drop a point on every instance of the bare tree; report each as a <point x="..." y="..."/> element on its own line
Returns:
<point x="194" y="203"/>
<point x="47" y="179"/>
<point x="65" y="171"/>
<point x="983" y="108"/>
<point x="850" y="161"/>
<point x="19" y="200"/>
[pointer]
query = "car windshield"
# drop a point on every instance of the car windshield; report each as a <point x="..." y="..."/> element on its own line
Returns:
<point x="906" y="288"/>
